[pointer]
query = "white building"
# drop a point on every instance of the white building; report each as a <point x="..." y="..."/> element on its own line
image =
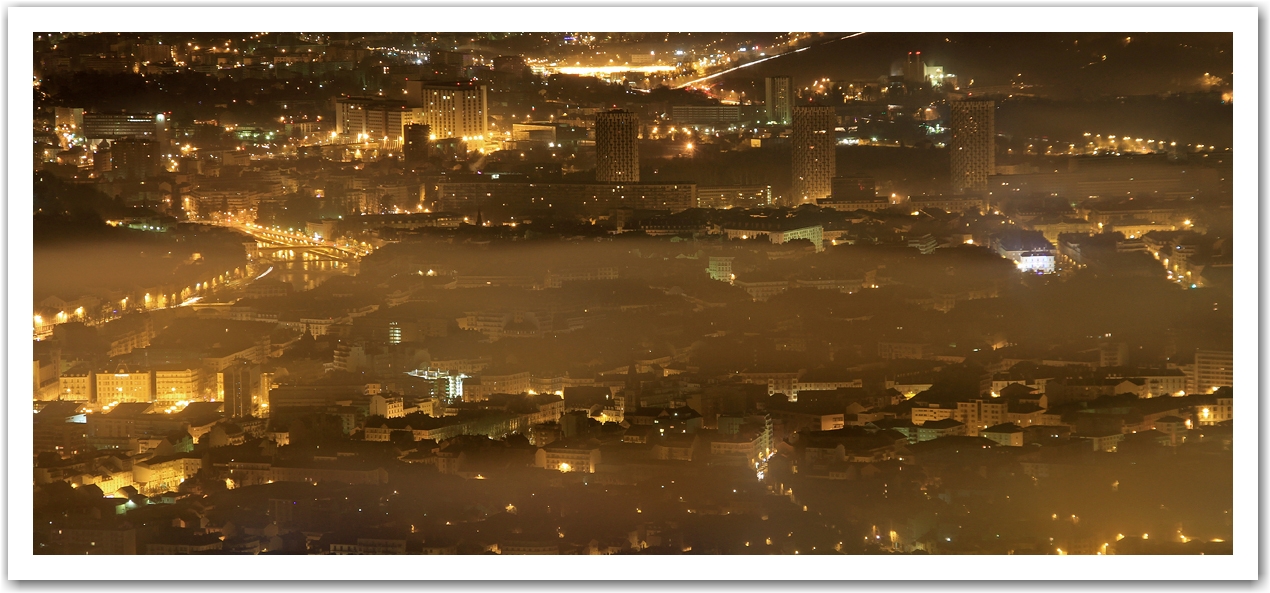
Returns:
<point x="1029" y="250"/>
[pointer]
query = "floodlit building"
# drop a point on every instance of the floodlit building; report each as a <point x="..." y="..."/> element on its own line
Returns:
<point x="447" y="385"/>
<point x="567" y="457"/>
<point x="458" y="109"/>
<point x="178" y="385"/>
<point x="75" y="385"/>
<point x="373" y="120"/>
<point x="124" y="387"/>
<point x="720" y="268"/>
<point x="388" y="407"/>
<point x="1029" y="250"/>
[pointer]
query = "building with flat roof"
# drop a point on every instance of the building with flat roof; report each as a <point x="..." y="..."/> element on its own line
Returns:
<point x="815" y="163"/>
<point x="1213" y="369"/>
<point x="457" y="109"/>
<point x="779" y="97"/>
<point x="705" y="114"/>
<point x="113" y="126"/>
<point x="734" y="196"/>
<point x="372" y="119"/>
<point x="617" y="147"/>
<point x="489" y="196"/>
<point x="134" y="158"/>
<point x="418" y="143"/>
<point x="973" y="144"/>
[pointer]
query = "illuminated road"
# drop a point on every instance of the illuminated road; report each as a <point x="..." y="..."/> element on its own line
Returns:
<point x="277" y="237"/>
<point x="759" y="61"/>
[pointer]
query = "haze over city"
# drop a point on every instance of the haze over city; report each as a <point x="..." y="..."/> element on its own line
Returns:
<point x="586" y="293"/>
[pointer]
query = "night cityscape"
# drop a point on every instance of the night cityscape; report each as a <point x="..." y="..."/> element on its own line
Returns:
<point x="633" y="293"/>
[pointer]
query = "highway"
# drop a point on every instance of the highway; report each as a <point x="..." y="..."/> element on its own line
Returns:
<point x="759" y="61"/>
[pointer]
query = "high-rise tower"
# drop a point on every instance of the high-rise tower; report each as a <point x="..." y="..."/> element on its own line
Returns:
<point x="973" y="145"/>
<point x="617" y="147"/>
<point x="813" y="150"/>
<point x="456" y="109"/>
<point x="236" y="388"/>
<point x="780" y="99"/>
<point x="417" y="146"/>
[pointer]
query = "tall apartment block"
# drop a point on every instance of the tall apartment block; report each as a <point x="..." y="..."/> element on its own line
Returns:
<point x="779" y="99"/>
<point x="417" y="146"/>
<point x="973" y="145"/>
<point x="813" y="151"/>
<point x="617" y="147"/>
<point x="457" y="109"/>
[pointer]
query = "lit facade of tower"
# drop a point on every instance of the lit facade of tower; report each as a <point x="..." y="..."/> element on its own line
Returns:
<point x="780" y="99"/>
<point x="617" y="147"/>
<point x="973" y="145"/>
<point x="450" y="109"/>
<point x="814" y="161"/>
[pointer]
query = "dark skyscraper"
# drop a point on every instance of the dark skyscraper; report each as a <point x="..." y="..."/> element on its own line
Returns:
<point x="914" y="68"/>
<point x="617" y="147"/>
<point x="236" y="381"/>
<point x="134" y="158"/>
<point x="779" y="99"/>
<point x="973" y="145"/>
<point x="417" y="146"/>
<point x="814" y="162"/>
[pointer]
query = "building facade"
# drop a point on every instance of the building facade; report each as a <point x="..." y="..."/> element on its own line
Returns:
<point x="973" y="145"/>
<point x="417" y="147"/>
<point x="693" y="115"/>
<point x="124" y="388"/>
<point x="236" y="388"/>
<point x="178" y="385"/>
<point x="814" y="162"/>
<point x="372" y="119"/>
<point x="617" y="147"/>
<point x="134" y="158"/>
<point x="734" y="196"/>
<point x="113" y="126"/>
<point x="457" y="109"/>
<point x="467" y="197"/>
<point x="1213" y="369"/>
<point x="780" y="99"/>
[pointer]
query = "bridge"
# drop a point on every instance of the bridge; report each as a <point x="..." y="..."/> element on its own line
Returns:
<point x="277" y="238"/>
